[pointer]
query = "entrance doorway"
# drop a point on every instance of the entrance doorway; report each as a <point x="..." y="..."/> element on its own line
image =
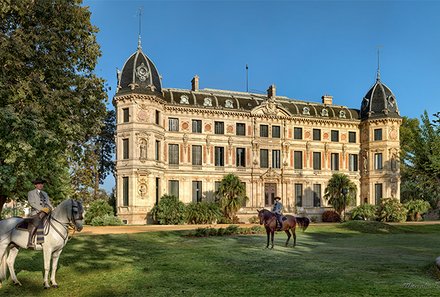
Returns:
<point x="270" y="192"/>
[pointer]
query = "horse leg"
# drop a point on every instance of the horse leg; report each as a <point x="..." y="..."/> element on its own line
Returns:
<point x="47" y="255"/>
<point x="13" y="252"/>
<point x="272" y="232"/>
<point x="55" y="258"/>
<point x="3" y="264"/>
<point x="288" y="236"/>
<point x="268" y="235"/>
<point x="294" y="237"/>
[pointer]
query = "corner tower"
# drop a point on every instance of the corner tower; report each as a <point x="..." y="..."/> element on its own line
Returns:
<point x="380" y="144"/>
<point x="139" y="139"/>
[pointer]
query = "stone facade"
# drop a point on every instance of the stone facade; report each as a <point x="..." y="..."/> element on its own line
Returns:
<point x="182" y="142"/>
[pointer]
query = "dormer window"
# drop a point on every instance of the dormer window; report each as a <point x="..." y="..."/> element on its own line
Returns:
<point x="229" y="103"/>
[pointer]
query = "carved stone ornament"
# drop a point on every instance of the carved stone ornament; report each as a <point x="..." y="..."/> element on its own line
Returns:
<point x="143" y="189"/>
<point x="229" y="103"/>
<point x="207" y="102"/>
<point x="324" y="112"/>
<point x="342" y="114"/>
<point x="142" y="72"/>
<point x="184" y="99"/>
<point x="142" y="116"/>
<point x="306" y="110"/>
<point x="270" y="107"/>
<point x="393" y="133"/>
<point x="142" y="149"/>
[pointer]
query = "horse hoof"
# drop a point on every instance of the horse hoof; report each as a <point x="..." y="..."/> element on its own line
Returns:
<point x="55" y="286"/>
<point x="17" y="284"/>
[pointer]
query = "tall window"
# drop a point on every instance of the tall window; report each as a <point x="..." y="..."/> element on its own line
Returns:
<point x="173" y="154"/>
<point x="335" y="161"/>
<point x="157" y="189"/>
<point x="276" y="159"/>
<point x="352" y="137"/>
<point x="378" y="193"/>
<point x="196" y="126"/>
<point x="157" y="117"/>
<point x="317" y="195"/>
<point x="378" y="165"/>
<point x="157" y="150"/>
<point x="264" y="158"/>
<point x="125" y="191"/>
<point x="219" y="156"/>
<point x="196" y="191"/>
<point x="125" y="115"/>
<point x="298" y="160"/>
<point x="196" y="155"/>
<point x="377" y="134"/>
<point x="316" y="160"/>
<point x="240" y="129"/>
<point x="353" y="162"/>
<point x="316" y="134"/>
<point x="219" y="127"/>
<point x="297" y="133"/>
<point x="125" y="154"/>
<point x="241" y="157"/>
<point x="264" y="131"/>
<point x="299" y="194"/>
<point x="173" y="188"/>
<point x="276" y="132"/>
<point x="335" y="135"/>
<point x="173" y="124"/>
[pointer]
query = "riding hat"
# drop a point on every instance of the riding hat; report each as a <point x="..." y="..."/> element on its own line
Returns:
<point x="277" y="198"/>
<point x="38" y="180"/>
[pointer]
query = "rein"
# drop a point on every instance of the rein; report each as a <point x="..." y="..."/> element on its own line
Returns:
<point x="67" y="226"/>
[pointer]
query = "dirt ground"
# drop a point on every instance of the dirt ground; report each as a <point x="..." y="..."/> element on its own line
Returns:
<point x="89" y="230"/>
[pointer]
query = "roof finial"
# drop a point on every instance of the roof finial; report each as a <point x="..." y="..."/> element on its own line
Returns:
<point x="378" y="64"/>
<point x="140" y="28"/>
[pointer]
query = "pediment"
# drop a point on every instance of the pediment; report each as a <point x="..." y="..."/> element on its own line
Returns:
<point x="270" y="174"/>
<point x="270" y="108"/>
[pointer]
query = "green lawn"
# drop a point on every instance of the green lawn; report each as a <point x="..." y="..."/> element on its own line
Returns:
<point x="328" y="261"/>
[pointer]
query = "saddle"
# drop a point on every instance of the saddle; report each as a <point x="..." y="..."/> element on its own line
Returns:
<point x="24" y="226"/>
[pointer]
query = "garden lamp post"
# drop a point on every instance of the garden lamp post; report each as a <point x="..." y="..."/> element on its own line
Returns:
<point x="344" y="195"/>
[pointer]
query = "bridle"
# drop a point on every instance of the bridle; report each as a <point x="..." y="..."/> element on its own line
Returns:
<point x="76" y="214"/>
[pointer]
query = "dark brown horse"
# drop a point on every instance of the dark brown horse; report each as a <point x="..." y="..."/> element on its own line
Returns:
<point x="269" y="220"/>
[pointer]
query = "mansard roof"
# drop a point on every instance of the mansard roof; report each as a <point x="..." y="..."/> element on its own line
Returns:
<point x="379" y="102"/>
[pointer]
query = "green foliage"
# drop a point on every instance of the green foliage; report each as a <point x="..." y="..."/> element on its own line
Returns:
<point x="106" y="220"/>
<point x="202" y="212"/>
<point x="365" y="212"/>
<point x="391" y="210"/>
<point x="232" y="195"/>
<point x="9" y="212"/>
<point x="331" y="216"/>
<point x="169" y="211"/>
<point x="254" y="220"/>
<point x="333" y="192"/>
<point x="230" y="230"/>
<point x="98" y="208"/>
<point x="420" y="159"/>
<point x="51" y="101"/>
<point x="416" y="208"/>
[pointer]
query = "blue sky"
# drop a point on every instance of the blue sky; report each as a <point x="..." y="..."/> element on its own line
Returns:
<point x="306" y="48"/>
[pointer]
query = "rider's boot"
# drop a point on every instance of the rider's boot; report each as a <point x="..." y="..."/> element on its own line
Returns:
<point x="30" y="244"/>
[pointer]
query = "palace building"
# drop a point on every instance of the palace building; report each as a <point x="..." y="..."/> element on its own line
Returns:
<point x="183" y="142"/>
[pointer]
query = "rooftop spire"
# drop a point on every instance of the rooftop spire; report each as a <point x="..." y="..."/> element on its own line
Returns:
<point x="140" y="28"/>
<point x="378" y="65"/>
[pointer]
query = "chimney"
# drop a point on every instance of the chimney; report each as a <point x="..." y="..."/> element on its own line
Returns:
<point x="272" y="91"/>
<point x="195" y="83"/>
<point x="327" y="99"/>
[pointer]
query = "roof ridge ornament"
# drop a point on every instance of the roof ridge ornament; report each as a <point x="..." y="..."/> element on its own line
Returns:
<point x="139" y="47"/>
<point x="378" y="65"/>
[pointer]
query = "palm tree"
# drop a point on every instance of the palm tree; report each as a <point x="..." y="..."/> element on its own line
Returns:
<point x="232" y="195"/>
<point x="334" y="192"/>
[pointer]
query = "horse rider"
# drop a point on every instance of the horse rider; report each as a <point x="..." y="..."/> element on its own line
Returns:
<point x="277" y="209"/>
<point x="41" y="207"/>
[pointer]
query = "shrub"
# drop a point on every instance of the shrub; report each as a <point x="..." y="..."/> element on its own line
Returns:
<point x="202" y="212"/>
<point x="97" y="208"/>
<point x="416" y="208"/>
<point x="366" y="212"/>
<point x="330" y="216"/>
<point x="9" y="212"/>
<point x="254" y="220"/>
<point x="391" y="210"/>
<point x="106" y="220"/>
<point x="169" y="211"/>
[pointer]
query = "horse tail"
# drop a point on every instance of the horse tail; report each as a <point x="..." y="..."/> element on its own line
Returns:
<point x="303" y="223"/>
<point x="3" y="265"/>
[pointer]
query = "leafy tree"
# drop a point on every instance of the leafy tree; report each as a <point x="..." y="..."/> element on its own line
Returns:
<point x="334" y="192"/>
<point x="416" y="208"/>
<point x="51" y="102"/>
<point x="97" y="208"/>
<point x="169" y="211"/>
<point x="232" y="195"/>
<point x="420" y="155"/>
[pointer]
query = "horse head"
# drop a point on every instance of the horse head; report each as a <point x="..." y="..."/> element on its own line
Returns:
<point x="261" y="215"/>
<point x="70" y="212"/>
<point x="76" y="217"/>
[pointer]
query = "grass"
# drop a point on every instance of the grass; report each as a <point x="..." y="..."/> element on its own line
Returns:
<point x="351" y="259"/>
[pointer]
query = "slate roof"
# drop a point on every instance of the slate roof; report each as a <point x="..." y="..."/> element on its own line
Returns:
<point x="379" y="102"/>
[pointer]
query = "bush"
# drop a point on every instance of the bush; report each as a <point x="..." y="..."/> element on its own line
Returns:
<point x="202" y="212"/>
<point x="106" y="220"/>
<point x="169" y="211"/>
<point x="254" y="220"/>
<point x="416" y="208"/>
<point x="9" y="212"/>
<point x="391" y="210"/>
<point x="330" y="216"/>
<point x="98" y="208"/>
<point x="365" y="212"/>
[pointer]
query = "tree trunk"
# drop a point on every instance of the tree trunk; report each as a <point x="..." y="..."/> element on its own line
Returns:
<point x="3" y="199"/>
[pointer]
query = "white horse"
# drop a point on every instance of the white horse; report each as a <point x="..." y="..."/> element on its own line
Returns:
<point x="68" y="214"/>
